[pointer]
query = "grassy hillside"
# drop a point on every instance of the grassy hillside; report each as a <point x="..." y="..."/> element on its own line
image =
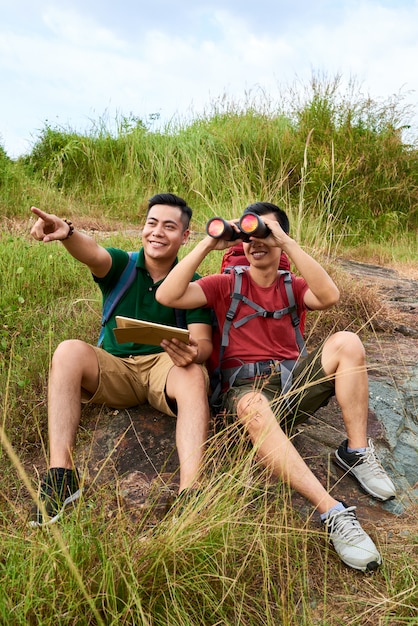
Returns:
<point x="337" y="157"/>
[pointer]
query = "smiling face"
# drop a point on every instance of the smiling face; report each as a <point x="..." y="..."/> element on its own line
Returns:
<point x="163" y="233"/>
<point x="259" y="254"/>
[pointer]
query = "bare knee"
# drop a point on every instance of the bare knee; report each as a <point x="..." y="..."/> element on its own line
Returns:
<point x="253" y="411"/>
<point x="187" y="381"/>
<point x="72" y="354"/>
<point x="346" y="344"/>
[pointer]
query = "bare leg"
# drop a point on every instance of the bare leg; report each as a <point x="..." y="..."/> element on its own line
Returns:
<point x="186" y="385"/>
<point x="344" y="356"/>
<point x="74" y="366"/>
<point x="278" y="453"/>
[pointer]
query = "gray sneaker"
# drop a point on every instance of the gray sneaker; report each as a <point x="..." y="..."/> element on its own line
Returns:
<point x="366" y="468"/>
<point x="352" y="544"/>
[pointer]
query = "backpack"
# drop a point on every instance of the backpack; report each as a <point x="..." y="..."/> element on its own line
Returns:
<point x="125" y="281"/>
<point x="235" y="261"/>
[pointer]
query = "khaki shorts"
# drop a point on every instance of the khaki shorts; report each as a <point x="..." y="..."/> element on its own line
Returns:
<point x="311" y="388"/>
<point x="126" y="382"/>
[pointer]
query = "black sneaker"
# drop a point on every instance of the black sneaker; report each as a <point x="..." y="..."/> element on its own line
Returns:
<point x="365" y="467"/>
<point x="59" y="488"/>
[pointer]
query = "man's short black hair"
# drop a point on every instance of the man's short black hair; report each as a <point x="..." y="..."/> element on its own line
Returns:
<point x="172" y="200"/>
<point x="261" y="208"/>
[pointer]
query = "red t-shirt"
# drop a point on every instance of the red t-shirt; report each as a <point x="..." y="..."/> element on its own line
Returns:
<point x="261" y="338"/>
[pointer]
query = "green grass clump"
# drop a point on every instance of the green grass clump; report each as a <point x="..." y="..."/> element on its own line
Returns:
<point x="44" y="299"/>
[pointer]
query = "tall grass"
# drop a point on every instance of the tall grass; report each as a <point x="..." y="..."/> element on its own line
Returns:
<point x="344" y="153"/>
<point x="43" y="300"/>
<point x="239" y="554"/>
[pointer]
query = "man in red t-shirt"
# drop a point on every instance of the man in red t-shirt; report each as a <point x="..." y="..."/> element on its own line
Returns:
<point x="261" y="344"/>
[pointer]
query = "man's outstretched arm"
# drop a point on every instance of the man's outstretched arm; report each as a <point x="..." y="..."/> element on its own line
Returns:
<point x="49" y="227"/>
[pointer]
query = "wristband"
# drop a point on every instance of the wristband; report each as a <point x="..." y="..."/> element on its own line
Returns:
<point x="70" y="232"/>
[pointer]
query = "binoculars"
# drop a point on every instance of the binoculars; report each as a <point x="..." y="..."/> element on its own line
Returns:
<point x="250" y="225"/>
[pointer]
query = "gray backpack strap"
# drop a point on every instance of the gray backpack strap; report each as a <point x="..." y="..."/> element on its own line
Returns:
<point x="262" y="312"/>
<point x="235" y="300"/>
<point x="293" y="311"/>
<point x="286" y="375"/>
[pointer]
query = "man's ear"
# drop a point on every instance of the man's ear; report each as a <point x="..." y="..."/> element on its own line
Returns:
<point x="186" y="236"/>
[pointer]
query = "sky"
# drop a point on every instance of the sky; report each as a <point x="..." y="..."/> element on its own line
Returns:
<point x="75" y="64"/>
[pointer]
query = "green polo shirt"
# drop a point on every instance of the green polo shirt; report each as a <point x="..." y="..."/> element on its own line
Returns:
<point x="139" y="302"/>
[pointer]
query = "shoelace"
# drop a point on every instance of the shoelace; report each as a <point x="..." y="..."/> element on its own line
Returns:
<point x="369" y="457"/>
<point x="345" y="523"/>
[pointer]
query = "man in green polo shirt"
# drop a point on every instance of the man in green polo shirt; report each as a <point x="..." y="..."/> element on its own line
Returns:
<point x="171" y="377"/>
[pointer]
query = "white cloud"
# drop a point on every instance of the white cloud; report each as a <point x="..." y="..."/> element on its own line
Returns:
<point x="71" y="63"/>
<point x="372" y="42"/>
<point x="79" y="30"/>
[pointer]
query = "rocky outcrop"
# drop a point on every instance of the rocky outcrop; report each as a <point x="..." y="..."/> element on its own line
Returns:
<point x="393" y="367"/>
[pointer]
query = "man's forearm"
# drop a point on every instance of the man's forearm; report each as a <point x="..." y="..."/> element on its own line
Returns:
<point x="87" y="251"/>
<point x="204" y="350"/>
<point x="176" y="283"/>
<point x="81" y="247"/>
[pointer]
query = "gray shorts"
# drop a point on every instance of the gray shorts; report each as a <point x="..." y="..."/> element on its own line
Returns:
<point x="311" y="388"/>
